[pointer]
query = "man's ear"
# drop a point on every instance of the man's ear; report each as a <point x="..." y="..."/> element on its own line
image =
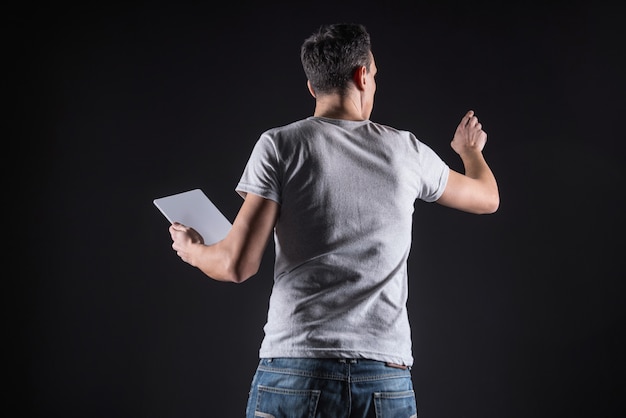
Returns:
<point x="360" y="77"/>
<point x="310" y="87"/>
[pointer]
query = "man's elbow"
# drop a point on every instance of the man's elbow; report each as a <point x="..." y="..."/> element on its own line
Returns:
<point x="239" y="271"/>
<point x="242" y="276"/>
<point x="490" y="205"/>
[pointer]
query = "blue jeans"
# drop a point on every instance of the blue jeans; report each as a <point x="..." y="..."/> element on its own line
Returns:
<point x="330" y="388"/>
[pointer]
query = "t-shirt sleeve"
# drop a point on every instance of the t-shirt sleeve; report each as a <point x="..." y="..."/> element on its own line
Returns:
<point x="261" y="173"/>
<point x="435" y="173"/>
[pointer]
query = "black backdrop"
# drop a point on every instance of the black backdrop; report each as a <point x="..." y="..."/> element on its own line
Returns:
<point x="516" y="314"/>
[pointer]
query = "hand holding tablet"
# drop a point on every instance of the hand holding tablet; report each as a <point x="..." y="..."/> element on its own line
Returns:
<point x="194" y="209"/>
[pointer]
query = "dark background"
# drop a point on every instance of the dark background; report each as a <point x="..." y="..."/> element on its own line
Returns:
<point x="516" y="314"/>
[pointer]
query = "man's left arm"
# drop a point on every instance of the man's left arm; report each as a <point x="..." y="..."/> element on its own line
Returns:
<point x="238" y="256"/>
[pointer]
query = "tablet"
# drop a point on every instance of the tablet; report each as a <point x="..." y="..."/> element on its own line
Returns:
<point x="193" y="208"/>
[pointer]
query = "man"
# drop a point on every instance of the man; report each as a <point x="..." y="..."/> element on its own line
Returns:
<point x="337" y="191"/>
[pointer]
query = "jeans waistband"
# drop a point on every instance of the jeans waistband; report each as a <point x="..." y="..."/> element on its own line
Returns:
<point x="333" y="364"/>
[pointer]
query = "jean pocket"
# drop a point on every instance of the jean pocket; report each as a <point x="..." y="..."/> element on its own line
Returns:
<point x="286" y="403"/>
<point x="395" y="404"/>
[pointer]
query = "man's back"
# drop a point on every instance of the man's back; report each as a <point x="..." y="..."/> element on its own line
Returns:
<point x="346" y="191"/>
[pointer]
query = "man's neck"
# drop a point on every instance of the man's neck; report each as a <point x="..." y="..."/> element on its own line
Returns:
<point x="335" y="106"/>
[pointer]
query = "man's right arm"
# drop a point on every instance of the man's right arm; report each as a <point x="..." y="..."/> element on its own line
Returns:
<point x="475" y="191"/>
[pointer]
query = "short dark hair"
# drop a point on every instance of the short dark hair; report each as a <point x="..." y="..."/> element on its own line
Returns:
<point x="332" y="54"/>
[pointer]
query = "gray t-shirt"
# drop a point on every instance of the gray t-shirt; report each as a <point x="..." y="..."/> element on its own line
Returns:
<point x="346" y="191"/>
